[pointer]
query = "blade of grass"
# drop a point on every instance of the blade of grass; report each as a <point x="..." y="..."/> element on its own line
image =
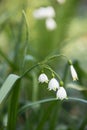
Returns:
<point x="25" y="107"/>
<point x="7" y="86"/>
<point x="13" y="107"/>
<point x="45" y="117"/>
<point x="18" y="44"/>
<point x="12" y="112"/>
<point x="35" y="87"/>
<point x="26" y="40"/>
<point x="53" y="117"/>
<point x="77" y="87"/>
<point x="83" y="124"/>
<point x="77" y="99"/>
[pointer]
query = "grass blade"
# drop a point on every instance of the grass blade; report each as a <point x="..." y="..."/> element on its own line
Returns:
<point x="25" y="107"/>
<point x="77" y="87"/>
<point x="7" y="86"/>
<point x="13" y="107"/>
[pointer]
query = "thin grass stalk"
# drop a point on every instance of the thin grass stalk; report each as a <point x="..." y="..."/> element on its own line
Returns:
<point x="13" y="107"/>
<point x="35" y="87"/>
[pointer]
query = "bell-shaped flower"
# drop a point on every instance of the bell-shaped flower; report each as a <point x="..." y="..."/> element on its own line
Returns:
<point x="43" y="78"/>
<point x="53" y="84"/>
<point x="50" y="24"/>
<point x="61" y="1"/>
<point x="73" y="73"/>
<point x="44" y="12"/>
<point x="61" y="93"/>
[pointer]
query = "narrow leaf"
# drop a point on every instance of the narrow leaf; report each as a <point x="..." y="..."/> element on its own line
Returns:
<point x="7" y="86"/>
<point x="76" y="86"/>
<point x="28" y="105"/>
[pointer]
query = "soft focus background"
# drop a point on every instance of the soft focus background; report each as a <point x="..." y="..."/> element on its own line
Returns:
<point x="65" y="32"/>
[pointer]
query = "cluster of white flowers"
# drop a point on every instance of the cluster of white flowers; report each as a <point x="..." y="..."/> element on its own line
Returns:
<point x="44" y="12"/>
<point x="47" y="13"/>
<point x="54" y="85"/>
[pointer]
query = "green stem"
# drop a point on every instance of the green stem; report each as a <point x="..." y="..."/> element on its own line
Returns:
<point x="13" y="107"/>
<point x="49" y="68"/>
<point x="35" y="87"/>
<point x="55" y="56"/>
<point x="27" y="71"/>
<point x="43" y="62"/>
<point x="27" y="39"/>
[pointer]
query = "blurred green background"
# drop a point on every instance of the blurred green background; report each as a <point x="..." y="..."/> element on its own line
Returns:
<point x="23" y="45"/>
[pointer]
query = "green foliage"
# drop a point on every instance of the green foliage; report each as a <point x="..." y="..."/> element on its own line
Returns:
<point x="27" y="48"/>
<point x="7" y="86"/>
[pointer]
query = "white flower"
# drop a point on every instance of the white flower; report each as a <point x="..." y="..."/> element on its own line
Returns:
<point x="44" y="12"/>
<point x="61" y="1"/>
<point x="61" y="93"/>
<point x="73" y="73"/>
<point x="53" y="84"/>
<point x="43" y="78"/>
<point x="50" y="24"/>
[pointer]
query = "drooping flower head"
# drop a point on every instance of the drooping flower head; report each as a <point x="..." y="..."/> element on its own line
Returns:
<point x="50" y="24"/>
<point x="44" y="12"/>
<point x="61" y="1"/>
<point x="53" y="84"/>
<point x="43" y="78"/>
<point x="73" y="73"/>
<point x="61" y="93"/>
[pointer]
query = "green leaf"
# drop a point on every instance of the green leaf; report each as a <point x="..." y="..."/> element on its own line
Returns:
<point x="76" y="86"/>
<point x="7" y="86"/>
<point x="25" y="107"/>
<point x="13" y="106"/>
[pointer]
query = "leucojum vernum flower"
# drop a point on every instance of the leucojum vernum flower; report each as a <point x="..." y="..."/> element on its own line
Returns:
<point x="55" y="84"/>
<point x="61" y="93"/>
<point x="73" y="71"/>
<point x="43" y="78"/>
<point x="48" y="14"/>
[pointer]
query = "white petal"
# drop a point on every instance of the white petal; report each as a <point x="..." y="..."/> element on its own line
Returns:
<point x="43" y="78"/>
<point x="44" y="12"/>
<point x="53" y="84"/>
<point x="61" y="93"/>
<point x="51" y="24"/>
<point x="50" y="11"/>
<point x="61" y="1"/>
<point x="73" y="73"/>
